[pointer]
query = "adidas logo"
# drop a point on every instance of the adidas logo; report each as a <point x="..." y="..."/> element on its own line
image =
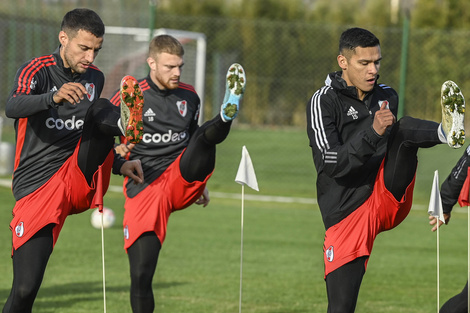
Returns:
<point x="149" y="114"/>
<point x="352" y="112"/>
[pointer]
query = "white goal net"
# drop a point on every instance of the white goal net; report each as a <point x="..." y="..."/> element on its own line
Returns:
<point x="125" y="51"/>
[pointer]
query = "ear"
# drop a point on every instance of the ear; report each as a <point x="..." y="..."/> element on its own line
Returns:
<point x="342" y="62"/>
<point x="152" y="63"/>
<point x="63" y="38"/>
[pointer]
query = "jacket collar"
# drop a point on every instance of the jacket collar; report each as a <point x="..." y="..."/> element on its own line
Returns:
<point x="161" y="92"/>
<point x="335" y="81"/>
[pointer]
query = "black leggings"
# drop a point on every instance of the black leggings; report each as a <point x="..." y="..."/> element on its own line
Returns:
<point x="342" y="286"/>
<point x="99" y="130"/>
<point x="197" y="161"/>
<point x="143" y="257"/>
<point x="406" y="137"/>
<point x="458" y="303"/>
<point x="29" y="265"/>
<point x="30" y="260"/>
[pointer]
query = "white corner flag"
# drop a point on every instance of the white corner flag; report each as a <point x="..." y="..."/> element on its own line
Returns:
<point x="435" y="210"/>
<point x="435" y="202"/>
<point x="246" y="173"/>
<point x="245" y="176"/>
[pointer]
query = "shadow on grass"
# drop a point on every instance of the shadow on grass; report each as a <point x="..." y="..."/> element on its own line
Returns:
<point x="292" y="311"/>
<point x="62" y="296"/>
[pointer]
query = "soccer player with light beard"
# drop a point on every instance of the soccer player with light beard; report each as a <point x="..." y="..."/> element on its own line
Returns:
<point x="178" y="158"/>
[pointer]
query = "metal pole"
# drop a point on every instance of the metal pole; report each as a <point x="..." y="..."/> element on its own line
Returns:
<point x="403" y="63"/>
<point x="153" y="11"/>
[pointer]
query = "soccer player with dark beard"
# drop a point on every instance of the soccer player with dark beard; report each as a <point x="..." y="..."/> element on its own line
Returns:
<point x="64" y="141"/>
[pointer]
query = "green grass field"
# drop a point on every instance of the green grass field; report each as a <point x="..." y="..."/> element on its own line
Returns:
<point x="199" y="265"/>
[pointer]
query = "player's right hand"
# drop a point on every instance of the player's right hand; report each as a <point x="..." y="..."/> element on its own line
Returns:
<point x="383" y="119"/>
<point x="71" y="92"/>
<point x="133" y="170"/>
<point x="433" y="221"/>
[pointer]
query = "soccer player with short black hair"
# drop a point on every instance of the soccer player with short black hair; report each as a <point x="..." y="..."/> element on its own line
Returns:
<point x="366" y="160"/>
<point x="64" y="141"/>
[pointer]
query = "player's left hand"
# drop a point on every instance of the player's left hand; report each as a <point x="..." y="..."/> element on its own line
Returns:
<point x="433" y="220"/>
<point x="204" y="199"/>
<point x="133" y="170"/>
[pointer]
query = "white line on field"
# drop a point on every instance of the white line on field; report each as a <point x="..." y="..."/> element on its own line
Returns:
<point x="261" y="198"/>
<point x="223" y="195"/>
<point x="249" y="197"/>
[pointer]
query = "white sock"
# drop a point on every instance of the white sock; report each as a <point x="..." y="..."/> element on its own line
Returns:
<point x="441" y="134"/>
<point x="120" y="127"/>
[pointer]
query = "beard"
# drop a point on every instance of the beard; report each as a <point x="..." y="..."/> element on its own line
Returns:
<point x="169" y="85"/>
<point x="72" y="64"/>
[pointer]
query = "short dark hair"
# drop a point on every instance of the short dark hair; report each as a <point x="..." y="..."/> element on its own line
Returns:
<point x="82" y="19"/>
<point x="357" y="37"/>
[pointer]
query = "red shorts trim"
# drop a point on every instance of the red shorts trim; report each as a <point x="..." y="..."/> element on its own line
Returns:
<point x="354" y="236"/>
<point x="65" y="193"/>
<point x="150" y="209"/>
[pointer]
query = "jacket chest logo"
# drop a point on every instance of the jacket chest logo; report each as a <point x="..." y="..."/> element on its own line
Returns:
<point x="90" y="89"/>
<point x="182" y="107"/>
<point x="150" y="115"/>
<point x="384" y="102"/>
<point x="353" y="113"/>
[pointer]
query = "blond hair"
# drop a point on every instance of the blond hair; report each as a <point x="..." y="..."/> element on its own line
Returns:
<point x="165" y="44"/>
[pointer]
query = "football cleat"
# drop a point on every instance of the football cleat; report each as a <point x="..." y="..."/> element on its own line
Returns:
<point x="234" y="89"/>
<point x="132" y="103"/>
<point x="453" y="112"/>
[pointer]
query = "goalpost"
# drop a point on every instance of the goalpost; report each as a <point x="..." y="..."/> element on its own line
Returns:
<point x="125" y="52"/>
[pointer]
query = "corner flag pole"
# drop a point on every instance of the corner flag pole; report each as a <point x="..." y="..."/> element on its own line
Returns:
<point x="102" y="258"/>
<point x="435" y="210"/>
<point x="245" y="176"/>
<point x="98" y="202"/>
<point x="437" y="223"/>
<point x="241" y="250"/>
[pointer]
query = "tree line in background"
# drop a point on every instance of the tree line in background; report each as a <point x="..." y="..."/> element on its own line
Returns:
<point x="438" y="14"/>
<point x="290" y="46"/>
<point x="286" y="46"/>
